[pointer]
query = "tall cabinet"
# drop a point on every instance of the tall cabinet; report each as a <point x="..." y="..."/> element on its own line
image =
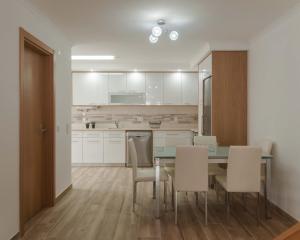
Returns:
<point x="223" y="84"/>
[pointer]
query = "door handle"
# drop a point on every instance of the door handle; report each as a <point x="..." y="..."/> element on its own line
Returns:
<point x="43" y="129"/>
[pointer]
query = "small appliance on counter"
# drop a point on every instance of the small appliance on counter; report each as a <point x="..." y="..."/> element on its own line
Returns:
<point x="155" y="124"/>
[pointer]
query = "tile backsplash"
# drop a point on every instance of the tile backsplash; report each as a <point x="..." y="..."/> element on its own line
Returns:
<point x="135" y="116"/>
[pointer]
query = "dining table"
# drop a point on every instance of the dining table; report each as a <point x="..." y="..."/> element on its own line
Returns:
<point x="218" y="155"/>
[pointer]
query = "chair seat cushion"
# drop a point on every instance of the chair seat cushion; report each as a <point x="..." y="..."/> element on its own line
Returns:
<point x="222" y="180"/>
<point x="148" y="175"/>
<point x="215" y="170"/>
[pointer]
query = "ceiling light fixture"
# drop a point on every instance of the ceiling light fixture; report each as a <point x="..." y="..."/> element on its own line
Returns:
<point x="156" y="31"/>
<point x="173" y="35"/>
<point x="159" y="29"/>
<point x="93" y="57"/>
<point x="153" y="39"/>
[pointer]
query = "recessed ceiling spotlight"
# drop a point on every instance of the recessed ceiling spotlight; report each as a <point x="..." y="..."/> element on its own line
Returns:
<point x="173" y="35"/>
<point x="93" y="57"/>
<point x="156" y="31"/>
<point x="153" y="39"/>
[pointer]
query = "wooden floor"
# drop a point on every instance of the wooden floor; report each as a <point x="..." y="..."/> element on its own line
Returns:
<point x="100" y="207"/>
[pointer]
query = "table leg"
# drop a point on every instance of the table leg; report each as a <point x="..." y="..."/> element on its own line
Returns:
<point x="157" y="187"/>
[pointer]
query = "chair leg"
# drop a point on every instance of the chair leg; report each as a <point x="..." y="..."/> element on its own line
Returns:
<point x="227" y="204"/>
<point x="165" y="194"/>
<point x="134" y="195"/>
<point x="266" y="199"/>
<point x="154" y="190"/>
<point x="258" y="209"/>
<point x="217" y="191"/>
<point x="173" y="204"/>
<point x="197" y="198"/>
<point x="176" y="199"/>
<point x="205" y="208"/>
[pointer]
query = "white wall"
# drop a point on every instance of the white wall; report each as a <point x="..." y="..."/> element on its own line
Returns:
<point x="274" y="105"/>
<point x="13" y="14"/>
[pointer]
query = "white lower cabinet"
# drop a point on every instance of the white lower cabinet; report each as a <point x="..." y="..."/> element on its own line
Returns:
<point x="114" y="147"/>
<point x="77" y="149"/>
<point x="93" y="150"/>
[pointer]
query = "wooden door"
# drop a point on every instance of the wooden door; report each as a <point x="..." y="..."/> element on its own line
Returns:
<point x="36" y="127"/>
<point x="34" y="122"/>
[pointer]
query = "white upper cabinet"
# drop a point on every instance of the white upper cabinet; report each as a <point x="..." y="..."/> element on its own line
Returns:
<point x="189" y="83"/>
<point x="90" y="88"/>
<point x="94" y="88"/>
<point x="117" y="82"/>
<point x="136" y="82"/>
<point x="172" y="88"/>
<point x="154" y="88"/>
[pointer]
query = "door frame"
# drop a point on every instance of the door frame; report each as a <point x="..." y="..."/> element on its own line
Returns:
<point x="28" y="40"/>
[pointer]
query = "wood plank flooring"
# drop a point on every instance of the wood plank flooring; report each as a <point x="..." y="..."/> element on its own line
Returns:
<point x="100" y="207"/>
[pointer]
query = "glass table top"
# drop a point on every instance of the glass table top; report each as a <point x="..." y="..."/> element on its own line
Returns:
<point x="217" y="153"/>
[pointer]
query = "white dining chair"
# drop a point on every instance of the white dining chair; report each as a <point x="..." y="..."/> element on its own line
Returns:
<point x="144" y="174"/>
<point x="191" y="173"/>
<point x="211" y="143"/>
<point x="243" y="173"/>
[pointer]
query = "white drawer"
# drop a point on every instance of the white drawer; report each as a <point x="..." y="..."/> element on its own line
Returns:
<point x="77" y="134"/>
<point x="114" y="134"/>
<point x="93" y="134"/>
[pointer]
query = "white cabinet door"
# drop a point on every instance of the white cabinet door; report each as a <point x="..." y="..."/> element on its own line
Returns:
<point x="90" y="150"/>
<point x="136" y="82"/>
<point x="76" y="150"/>
<point x="117" y="82"/>
<point x="114" y="150"/>
<point x="189" y="82"/>
<point x="93" y="147"/>
<point x="172" y="88"/>
<point x="90" y="88"/>
<point x="154" y="88"/>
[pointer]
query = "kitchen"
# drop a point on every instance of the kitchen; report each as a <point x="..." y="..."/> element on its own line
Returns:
<point x="163" y="106"/>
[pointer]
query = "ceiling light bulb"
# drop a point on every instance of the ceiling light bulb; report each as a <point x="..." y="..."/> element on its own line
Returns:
<point x="173" y="35"/>
<point x="156" y="31"/>
<point x="153" y="39"/>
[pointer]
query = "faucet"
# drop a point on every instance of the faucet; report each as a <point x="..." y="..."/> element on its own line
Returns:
<point x="117" y="123"/>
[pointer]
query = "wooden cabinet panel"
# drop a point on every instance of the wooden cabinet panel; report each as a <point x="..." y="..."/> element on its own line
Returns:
<point x="229" y="97"/>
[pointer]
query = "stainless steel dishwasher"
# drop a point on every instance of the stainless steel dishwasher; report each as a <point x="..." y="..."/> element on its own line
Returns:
<point x="143" y="145"/>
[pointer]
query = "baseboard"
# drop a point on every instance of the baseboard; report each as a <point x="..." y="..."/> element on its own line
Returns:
<point x="283" y="213"/>
<point x="60" y="196"/>
<point x="16" y="237"/>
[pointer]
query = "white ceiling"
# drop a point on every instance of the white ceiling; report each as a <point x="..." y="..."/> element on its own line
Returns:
<point x="122" y="28"/>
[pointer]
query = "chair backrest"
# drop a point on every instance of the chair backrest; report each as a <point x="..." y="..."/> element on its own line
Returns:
<point x="205" y="140"/>
<point x="133" y="157"/>
<point x="243" y="171"/>
<point x="191" y="168"/>
<point x="266" y="146"/>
